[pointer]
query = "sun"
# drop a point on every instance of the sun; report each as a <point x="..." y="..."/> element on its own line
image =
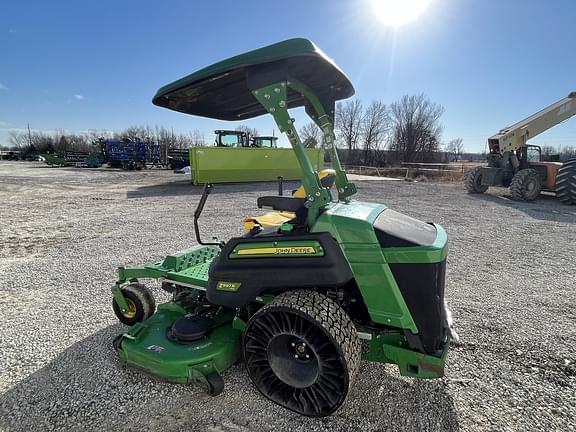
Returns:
<point x="394" y="13"/>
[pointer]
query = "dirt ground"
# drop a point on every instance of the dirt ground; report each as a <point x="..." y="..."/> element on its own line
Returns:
<point x="63" y="231"/>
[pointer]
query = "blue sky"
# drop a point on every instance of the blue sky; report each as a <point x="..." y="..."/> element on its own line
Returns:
<point x="85" y="65"/>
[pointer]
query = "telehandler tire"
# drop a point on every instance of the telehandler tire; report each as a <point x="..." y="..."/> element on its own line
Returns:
<point x="473" y="181"/>
<point x="526" y="185"/>
<point x="141" y="304"/>
<point x="302" y="351"/>
<point x="566" y="182"/>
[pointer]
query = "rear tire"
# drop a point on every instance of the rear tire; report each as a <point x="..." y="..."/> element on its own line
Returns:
<point x="566" y="182"/>
<point x="526" y="185"/>
<point x="302" y="351"/>
<point x="140" y="302"/>
<point x="473" y="181"/>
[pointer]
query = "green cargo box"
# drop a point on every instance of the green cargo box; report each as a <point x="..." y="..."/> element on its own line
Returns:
<point x="236" y="165"/>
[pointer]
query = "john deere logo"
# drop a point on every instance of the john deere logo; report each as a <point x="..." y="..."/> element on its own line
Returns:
<point x="303" y="250"/>
<point x="228" y="286"/>
<point x="291" y="250"/>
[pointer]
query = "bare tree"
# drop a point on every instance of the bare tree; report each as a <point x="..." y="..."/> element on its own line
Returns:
<point x="250" y="131"/>
<point x="349" y="124"/>
<point x="547" y="152"/>
<point x="311" y="135"/>
<point x="374" y="127"/>
<point x="165" y="138"/>
<point x="133" y="133"/>
<point x="416" y="128"/>
<point x="17" y="139"/>
<point x="455" y="148"/>
<point x="79" y="142"/>
<point x="197" y="138"/>
<point x="567" y="152"/>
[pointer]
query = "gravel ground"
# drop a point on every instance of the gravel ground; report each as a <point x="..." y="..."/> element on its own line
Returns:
<point x="510" y="285"/>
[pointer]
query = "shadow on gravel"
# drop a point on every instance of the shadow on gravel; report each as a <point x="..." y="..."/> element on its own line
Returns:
<point x="185" y="188"/>
<point x="84" y="388"/>
<point x="546" y="207"/>
<point x="386" y="402"/>
<point x="61" y="395"/>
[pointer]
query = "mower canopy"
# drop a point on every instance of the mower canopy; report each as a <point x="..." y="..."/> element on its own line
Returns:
<point x="223" y="90"/>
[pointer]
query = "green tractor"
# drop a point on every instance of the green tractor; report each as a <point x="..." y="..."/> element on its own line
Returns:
<point x="292" y="302"/>
<point x="235" y="138"/>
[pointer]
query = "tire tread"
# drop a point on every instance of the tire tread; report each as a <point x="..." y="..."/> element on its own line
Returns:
<point x="566" y="182"/>
<point x="471" y="181"/>
<point x="517" y="188"/>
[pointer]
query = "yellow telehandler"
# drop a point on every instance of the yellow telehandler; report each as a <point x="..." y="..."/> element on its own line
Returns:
<point x="515" y="164"/>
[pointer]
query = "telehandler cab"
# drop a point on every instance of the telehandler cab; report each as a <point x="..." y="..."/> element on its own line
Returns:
<point x="291" y="301"/>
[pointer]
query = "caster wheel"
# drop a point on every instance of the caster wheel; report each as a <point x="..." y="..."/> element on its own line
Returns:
<point x="214" y="384"/>
<point x="141" y="304"/>
<point x="117" y="342"/>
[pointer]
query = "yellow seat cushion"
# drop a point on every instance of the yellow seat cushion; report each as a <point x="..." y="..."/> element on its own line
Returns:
<point x="275" y="219"/>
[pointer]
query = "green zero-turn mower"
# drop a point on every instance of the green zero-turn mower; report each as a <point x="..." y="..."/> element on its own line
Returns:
<point x="292" y="302"/>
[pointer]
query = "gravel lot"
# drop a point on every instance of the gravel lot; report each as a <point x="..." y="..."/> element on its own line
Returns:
<point x="510" y="284"/>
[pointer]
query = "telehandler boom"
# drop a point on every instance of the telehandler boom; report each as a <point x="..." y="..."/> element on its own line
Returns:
<point x="509" y="163"/>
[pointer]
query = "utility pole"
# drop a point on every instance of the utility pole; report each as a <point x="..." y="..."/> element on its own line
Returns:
<point x="29" y="136"/>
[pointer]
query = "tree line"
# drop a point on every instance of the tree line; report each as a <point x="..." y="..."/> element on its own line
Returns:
<point x="33" y="143"/>
<point x="408" y="130"/>
<point x="563" y="153"/>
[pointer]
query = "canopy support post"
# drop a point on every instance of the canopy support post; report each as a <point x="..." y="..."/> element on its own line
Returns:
<point x="274" y="98"/>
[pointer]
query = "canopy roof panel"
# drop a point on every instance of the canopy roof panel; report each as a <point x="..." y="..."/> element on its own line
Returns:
<point x="224" y="90"/>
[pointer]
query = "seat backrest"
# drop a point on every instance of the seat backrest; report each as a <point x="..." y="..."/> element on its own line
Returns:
<point x="327" y="178"/>
<point x="282" y="203"/>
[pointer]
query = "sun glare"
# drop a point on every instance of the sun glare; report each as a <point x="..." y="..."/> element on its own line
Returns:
<point x="395" y="13"/>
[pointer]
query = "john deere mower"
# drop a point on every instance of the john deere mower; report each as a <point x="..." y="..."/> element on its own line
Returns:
<point x="291" y="300"/>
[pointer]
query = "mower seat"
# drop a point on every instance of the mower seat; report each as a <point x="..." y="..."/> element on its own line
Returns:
<point x="281" y="216"/>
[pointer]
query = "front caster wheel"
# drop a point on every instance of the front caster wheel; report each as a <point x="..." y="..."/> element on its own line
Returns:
<point x="302" y="351"/>
<point x="117" y="342"/>
<point x="141" y="304"/>
<point x="214" y="384"/>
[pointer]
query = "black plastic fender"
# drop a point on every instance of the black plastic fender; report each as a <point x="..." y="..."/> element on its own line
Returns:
<point x="275" y="274"/>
